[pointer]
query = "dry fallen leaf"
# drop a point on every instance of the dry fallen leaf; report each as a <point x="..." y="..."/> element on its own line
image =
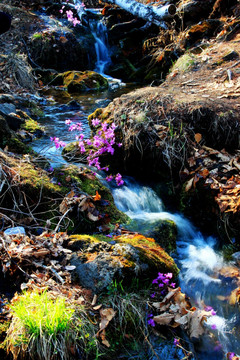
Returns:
<point x="164" y="319"/>
<point x="198" y="137"/>
<point x="195" y="326"/>
<point x="103" y="338"/>
<point x="97" y="197"/>
<point x="189" y="184"/>
<point x="106" y="316"/>
<point x="92" y="217"/>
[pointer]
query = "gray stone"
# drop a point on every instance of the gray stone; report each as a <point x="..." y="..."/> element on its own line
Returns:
<point x="100" y="263"/>
<point x="7" y="108"/>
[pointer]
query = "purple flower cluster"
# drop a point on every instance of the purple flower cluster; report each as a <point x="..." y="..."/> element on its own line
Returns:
<point x="58" y="143"/>
<point x="213" y="313"/>
<point x="150" y="320"/>
<point x="176" y="342"/>
<point x="102" y="142"/>
<point x="209" y="308"/>
<point x="80" y="8"/>
<point x="163" y="281"/>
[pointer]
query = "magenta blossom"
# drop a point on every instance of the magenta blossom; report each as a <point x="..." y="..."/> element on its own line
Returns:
<point x="58" y="143"/>
<point x="119" y="179"/>
<point x="95" y="122"/>
<point x="176" y="342"/>
<point x="109" y="178"/>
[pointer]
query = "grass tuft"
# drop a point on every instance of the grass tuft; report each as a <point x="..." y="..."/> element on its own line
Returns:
<point x="44" y="328"/>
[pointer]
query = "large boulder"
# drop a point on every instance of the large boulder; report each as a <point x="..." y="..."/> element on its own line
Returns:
<point x="61" y="50"/>
<point x="125" y="257"/>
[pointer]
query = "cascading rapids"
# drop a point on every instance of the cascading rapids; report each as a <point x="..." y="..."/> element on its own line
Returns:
<point x="199" y="263"/>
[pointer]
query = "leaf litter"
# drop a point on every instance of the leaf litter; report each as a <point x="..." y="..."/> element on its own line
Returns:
<point x="42" y="263"/>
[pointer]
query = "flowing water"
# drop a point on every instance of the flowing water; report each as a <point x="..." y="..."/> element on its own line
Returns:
<point x="57" y="110"/>
<point x="99" y="32"/>
<point x="199" y="262"/>
<point x="200" y="265"/>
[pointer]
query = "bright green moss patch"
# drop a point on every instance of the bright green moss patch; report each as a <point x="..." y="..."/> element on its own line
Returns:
<point x="32" y="126"/>
<point x="150" y="252"/>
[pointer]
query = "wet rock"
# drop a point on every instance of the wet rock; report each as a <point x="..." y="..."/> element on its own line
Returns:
<point x="165" y="234"/>
<point x="70" y="106"/>
<point x="7" y="108"/>
<point x="99" y="263"/>
<point x="14" y="121"/>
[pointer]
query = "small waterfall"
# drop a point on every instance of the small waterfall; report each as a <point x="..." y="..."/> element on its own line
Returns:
<point x="99" y="32"/>
<point x="199" y="263"/>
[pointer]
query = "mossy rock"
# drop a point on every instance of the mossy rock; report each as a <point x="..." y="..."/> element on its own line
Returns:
<point x="71" y="152"/>
<point x="165" y="234"/>
<point x="42" y="191"/>
<point x="30" y="125"/>
<point x="184" y="63"/>
<point x="81" y="81"/>
<point x="127" y="257"/>
<point x="87" y="183"/>
<point x="9" y="139"/>
<point x="59" y="49"/>
<point x="151" y="252"/>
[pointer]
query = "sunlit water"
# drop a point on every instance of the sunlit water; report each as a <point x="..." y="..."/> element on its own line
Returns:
<point x="57" y="111"/>
<point x="199" y="264"/>
<point x="196" y="255"/>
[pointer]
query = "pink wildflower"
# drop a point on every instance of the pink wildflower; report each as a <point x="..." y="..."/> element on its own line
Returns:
<point x="95" y="122"/>
<point x="109" y="178"/>
<point x="119" y="179"/>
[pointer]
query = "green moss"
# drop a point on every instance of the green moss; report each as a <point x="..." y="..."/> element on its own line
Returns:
<point x="80" y="242"/>
<point x="184" y="63"/>
<point x="165" y="234"/>
<point x="31" y="126"/>
<point x="15" y="145"/>
<point x="81" y="81"/>
<point x="97" y="114"/>
<point x="151" y="253"/>
<point x="37" y="36"/>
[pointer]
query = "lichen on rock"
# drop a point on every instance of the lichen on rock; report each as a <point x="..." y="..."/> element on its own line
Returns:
<point x="126" y="257"/>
